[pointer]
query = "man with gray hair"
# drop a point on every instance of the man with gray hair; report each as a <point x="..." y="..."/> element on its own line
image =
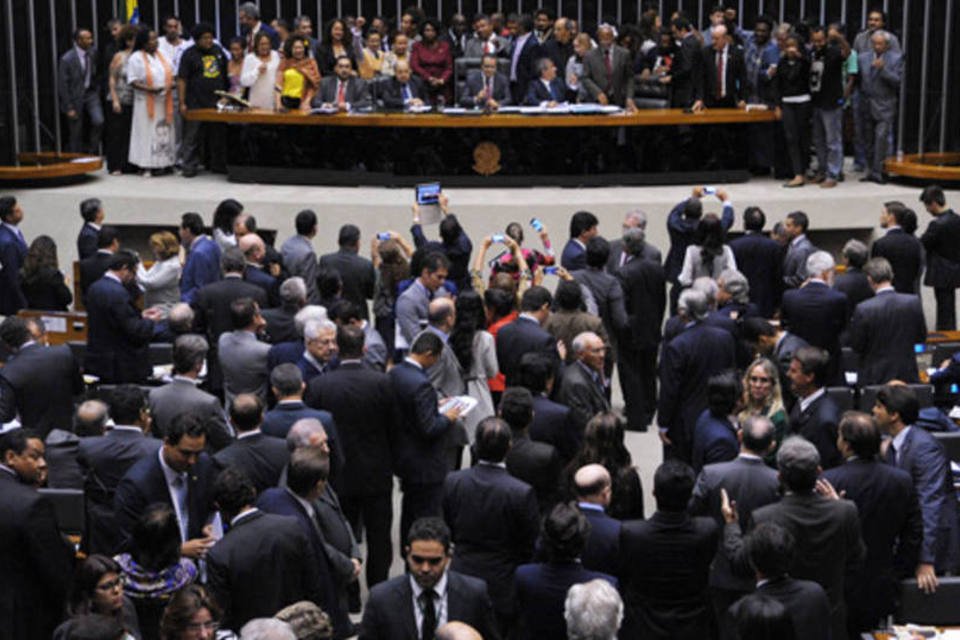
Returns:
<point x="853" y="282"/>
<point x="817" y="313"/>
<point x="619" y="256"/>
<point x="882" y="72"/>
<point x="267" y="629"/>
<point x="179" y="321"/>
<point x="826" y="527"/>
<point x="291" y="350"/>
<point x="593" y="611"/>
<point x="885" y="329"/>
<point x="280" y="320"/>
<point x="320" y="349"/>
<point x="733" y="295"/>
<point x="250" y="26"/>
<point x="583" y="384"/>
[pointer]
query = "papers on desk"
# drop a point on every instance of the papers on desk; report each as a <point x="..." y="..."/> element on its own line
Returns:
<point x="465" y="404"/>
<point x="563" y="108"/>
<point x="423" y="108"/>
<point x="323" y="111"/>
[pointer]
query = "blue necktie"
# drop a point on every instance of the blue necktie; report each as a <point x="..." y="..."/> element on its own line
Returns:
<point x="406" y="93"/>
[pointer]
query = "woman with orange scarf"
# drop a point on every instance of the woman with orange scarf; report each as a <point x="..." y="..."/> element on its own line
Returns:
<point x="298" y="77"/>
<point x="152" y="141"/>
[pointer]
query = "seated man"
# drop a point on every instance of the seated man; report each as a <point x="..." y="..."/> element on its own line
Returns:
<point x="547" y="90"/>
<point x="341" y="90"/>
<point x="488" y="89"/>
<point x="404" y="89"/>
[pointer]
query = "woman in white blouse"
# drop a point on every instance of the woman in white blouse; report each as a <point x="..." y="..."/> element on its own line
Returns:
<point x="259" y="73"/>
<point x="161" y="282"/>
<point x="710" y="255"/>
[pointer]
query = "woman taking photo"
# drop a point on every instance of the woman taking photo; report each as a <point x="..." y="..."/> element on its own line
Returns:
<point x="161" y="282"/>
<point x="152" y="144"/>
<point x="98" y="589"/>
<point x="260" y="72"/>
<point x="710" y="255"/>
<point x="337" y="41"/>
<point x="297" y="77"/>
<point x="120" y="115"/>
<point x="42" y="284"/>
<point x="762" y="397"/>
<point x="432" y="60"/>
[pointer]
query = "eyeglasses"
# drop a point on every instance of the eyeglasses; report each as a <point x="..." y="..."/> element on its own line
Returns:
<point x="433" y="562"/>
<point x="210" y="625"/>
<point x="107" y="587"/>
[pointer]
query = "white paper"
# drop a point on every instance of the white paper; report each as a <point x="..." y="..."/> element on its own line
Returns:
<point x="54" y="324"/>
<point x="465" y="403"/>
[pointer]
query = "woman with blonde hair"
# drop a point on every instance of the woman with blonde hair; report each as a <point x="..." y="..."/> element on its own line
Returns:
<point x="762" y="397"/>
<point x="160" y="282"/>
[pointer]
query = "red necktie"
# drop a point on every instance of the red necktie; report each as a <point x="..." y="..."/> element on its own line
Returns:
<point x="487" y="48"/>
<point x="341" y="92"/>
<point x="719" y="75"/>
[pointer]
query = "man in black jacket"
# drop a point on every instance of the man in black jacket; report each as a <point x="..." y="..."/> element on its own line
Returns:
<point x="94" y="266"/>
<point x="942" y="242"/>
<point x="760" y="259"/>
<point x="403" y="90"/>
<point x="900" y="246"/>
<point x="91" y="210"/>
<point x="815" y="416"/>
<point x="583" y="385"/>
<point x="553" y="423"/>
<point x="536" y="463"/>
<point x="593" y="487"/>
<point x="686" y="73"/>
<point x="356" y="272"/>
<point x="526" y="334"/>
<point x="260" y="457"/>
<point x="853" y="281"/>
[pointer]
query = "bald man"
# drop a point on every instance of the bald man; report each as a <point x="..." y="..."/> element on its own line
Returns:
<point x="594" y="489"/>
<point x="583" y="385"/>
<point x="457" y="631"/>
<point x="254" y="251"/>
<point x="262" y="458"/>
<point x="403" y="90"/>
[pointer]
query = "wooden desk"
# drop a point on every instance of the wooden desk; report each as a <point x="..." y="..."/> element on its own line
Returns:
<point x="50" y="165"/>
<point x="62" y="326"/>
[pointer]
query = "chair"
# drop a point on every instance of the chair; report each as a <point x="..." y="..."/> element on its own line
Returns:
<point x="849" y="360"/>
<point x="462" y="68"/>
<point x="68" y="509"/>
<point x="951" y="442"/>
<point x="78" y="349"/>
<point x="943" y="351"/>
<point x="868" y="395"/>
<point x="843" y="396"/>
<point x="939" y="609"/>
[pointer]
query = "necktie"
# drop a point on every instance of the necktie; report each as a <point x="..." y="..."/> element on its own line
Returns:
<point x="341" y="92"/>
<point x="489" y="88"/>
<point x="406" y="93"/>
<point x="892" y="454"/>
<point x="429" y="609"/>
<point x="720" y="91"/>
<point x="609" y="67"/>
<point x="23" y="241"/>
<point x="180" y="491"/>
<point x="86" y="69"/>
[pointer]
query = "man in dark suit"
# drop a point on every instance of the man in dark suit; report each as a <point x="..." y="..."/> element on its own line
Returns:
<point x="635" y="219"/>
<point x="760" y="259"/>
<point x="724" y="71"/>
<point x="582" y="383"/>
<point x="203" y="257"/>
<point x="419" y="454"/>
<point x="752" y="484"/>
<point x="853" y="281"/>
<point x="553" y="422"/>
<point x="885" y="329"/>
<point x="682" y="226"/>
<point x="594" y="490"/>
<point x="890" y="521"/>
<point x="93" y="268"/>
<point x="583" y="226"/>
<point x="39" y="382"/>
<point x="666" y="562"/>
<point x="342" y="90"/>
<point x="403" y="90"/>
<point x="608" y="71"/>
<point x="643" y="282"/>
<point x="525" y="50"/>
<point x="827" y="530"/>
<point x="942" y="242"/>
<point x="107" y="457"/>
<point x="91" y="210"/>
<point x="118" y="333"/>
<point x="77" y="82"/>
<point x="817" y="313"/>
<point x="493" y="517"/>
<point x="35" y="563"/>
<point x="254" y="251"/>
<point x="607" y="292"/>
<point x="547" y="89"/>
<point x="413" y="605"/>
<point x="356" y="272"/>
<point x="688" y="361"/>
<point x="915" y="451"/>
<point x="525" y="334"/>
<point x="13" y="251"/>
<point x="899" y="246"/>
<point x="686" y="72"/>
<point x="798" y="249"/>
<point x="181" y="469"/>
<point x="281" y="326"/>
<point x="264" y="562"/>
<point x="815" y="416"/>
<point x="362" y="403"/>
<point x="487" y="88"/>
<point x="715" y="433"/>
<point x="536" y="463"/>
<point x="260" y="457"/>
<point x="250" y="25"/>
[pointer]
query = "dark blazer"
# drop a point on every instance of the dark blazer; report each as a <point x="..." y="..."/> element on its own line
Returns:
<point x="819" y="424"/>
<point x="280" y="324"/>
<point x="806" y="603"/>
<point x="925" y="459"/>
<point x="818" y="314"/>
<point x="13" y="251"/>
<point x="578" y="391"/>
<point x="39" y="383"/>
<point x="883" y="332"/>
<point x="650" y="252"/>
<point x="475" y="84"/>
<point x="644" y="299"/>
<point x="538" y="464"/>
<point x="553" y="424"/>
<point x="202" y="268"/>
<point x="60" y="452"/>
<point x="665" y="565"/>
<point x="521" y="336"/>
<point x="574" y="256"/>
<point x="262" y="564"/>
<point x="526" y="67"/>
<point x="602" y="551"/>
<point x="212" y="305"/>
<point x="87" y="241"/>
<point x="47" y="290"/>
<point x="538" y="92"/>
<point x="92" y="269"/>
<point x="686" y="364"/>
<point x="853" y="283"/>
<point x="542" y="592"/>
<point x="795" y="262"/>
<point x="284" y="352"/>
<point x="419" y="456"/>
<point x="35" y="563"/>
<point x="260" y="457"/>
<point x="389" y="611"/>
<point x="682" y="232"/>
<point x="391" y="92"/>
<point x="714" y="440"/>
<point x="357" y="274"/>
<point x="277" y="423"/>
<point x="942" y="242"/>
<point x="70" y="79"/>
<point x="357" y="93"/>
<point x="686" y="73"/>
<point x="117" y="337"/>
<point x="257" y="276"/>
<point x="607" y="291"/>
<point x="892" y="529"/>
<point x="105" y="460"/>
<point x="362" y="403"/>
<point x="905" y="253"/>
<point x="494" y="520"/>
<point x="736" y="78"/>
<point x="760" y="259"/>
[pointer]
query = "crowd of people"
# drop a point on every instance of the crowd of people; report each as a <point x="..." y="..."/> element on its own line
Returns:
<point x="146" y="80"/>
<point x="231" y="493"/>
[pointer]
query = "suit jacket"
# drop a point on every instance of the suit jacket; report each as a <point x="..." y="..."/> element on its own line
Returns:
<point x="925" y="459"/>
<point x="144" y="483"/>
<point x="389" y="615"/>
<point x="181" y="396"/>
<point x="853" y="283"/>
<point x="602" y="551"/>
<point x="538" y="464"/>
<point x="202" y="267"/>
<point x="70" y="79"/>
<point x="795" y="262"/>
<point x="819" y="424"/>
<point x="60" y="452"/>
<point x="526" y="66"/>
<point x="644" y="298"/>
<point x="686" y="364"/>
<point x="35" y="563"/>
<point x="650" y="252"/>
<point x="783" y="355"/>
<point x="806" y="603"/>
<point x="682" y="232"/>
<point x="881" y="87"/>
<point x="92" y="269"/>
<point x="117" y="337"/>
<point x="714" y="440"/>
<point x="357" y="274"/>
<point x="735" y="73"/>
<point x="419" y="455"/>
<point x="13" y="251"/>
<point x="494" y="520"/>
<point x="578" y="390"/>
<point x="665" y="565"/>
<point x="280" y="324"/>
<point x="357" y="93"/>
<point x="892" y="529"/>
<point x="905" y="253"/>
<point x="541" y="594"/>
<point x="607" y="292"/>
<point x="686" y="73"/>
<point x="818" y="314"/>
<point x="883" y="332"/>
<point x="105" y="460"/>
<point x="475" y="84"/>
<point x="260" y="457"/>
<point x="262" y="564"/>
<point x="39" y="384"/>
<point x="760" y="259"/>
<point x="87" y="241"/>
<point x="521" y="336"/>
<point x="243" y="360"/>
<point x="618" y="86"/>
<point x="256" y="276"/>
<point x="300" y="260"/>
<point x="574" y="256"/>
<point x="538" y="92"/>
<point x="554" y="424"/>
<point x="212" y="306"/>
<point x="391" y="92"/>
<point x="942" y="242"/>
<point x="749" y="482"/>
<point x="411" y="308"/>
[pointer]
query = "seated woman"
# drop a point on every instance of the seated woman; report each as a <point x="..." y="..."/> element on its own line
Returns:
<point x="42" y="283"/>
<point x="297" y="77"/>
<point x="98" y="589"/>
<point x="161" y="282"/>
<point x="372" y="60"/>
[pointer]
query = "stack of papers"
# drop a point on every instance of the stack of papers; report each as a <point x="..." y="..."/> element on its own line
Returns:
<point x="465" y="403"/>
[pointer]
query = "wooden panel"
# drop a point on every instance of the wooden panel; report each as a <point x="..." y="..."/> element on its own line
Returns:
<point x="48" y="165"/>
<point x="944" y="167"/>
<point x="62" y="326"/>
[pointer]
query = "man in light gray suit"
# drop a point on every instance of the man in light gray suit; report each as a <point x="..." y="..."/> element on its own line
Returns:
<point x="484" y="40"/>
<point x="635" y="219"/>
<point x="182" y="394"/>
<point x="413" y="304"/>
<point x="77" y="84"/>
<point x="799" y="249"/>
<point x="608" y="72"/>
<point x="299" y="258"/>
<point x="243" y="358"/>
<point x="881" y="71"/>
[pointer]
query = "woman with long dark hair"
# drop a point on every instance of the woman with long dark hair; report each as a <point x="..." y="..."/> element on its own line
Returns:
<point x="391" y="259"/>
<point x="476" y="353"/>
<point x="97" y="588"/>
<point x="709" y="255"/>
<point x="224" y="217"/>
<point x="337" y="41"/>
<point x="41" y="281"/>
